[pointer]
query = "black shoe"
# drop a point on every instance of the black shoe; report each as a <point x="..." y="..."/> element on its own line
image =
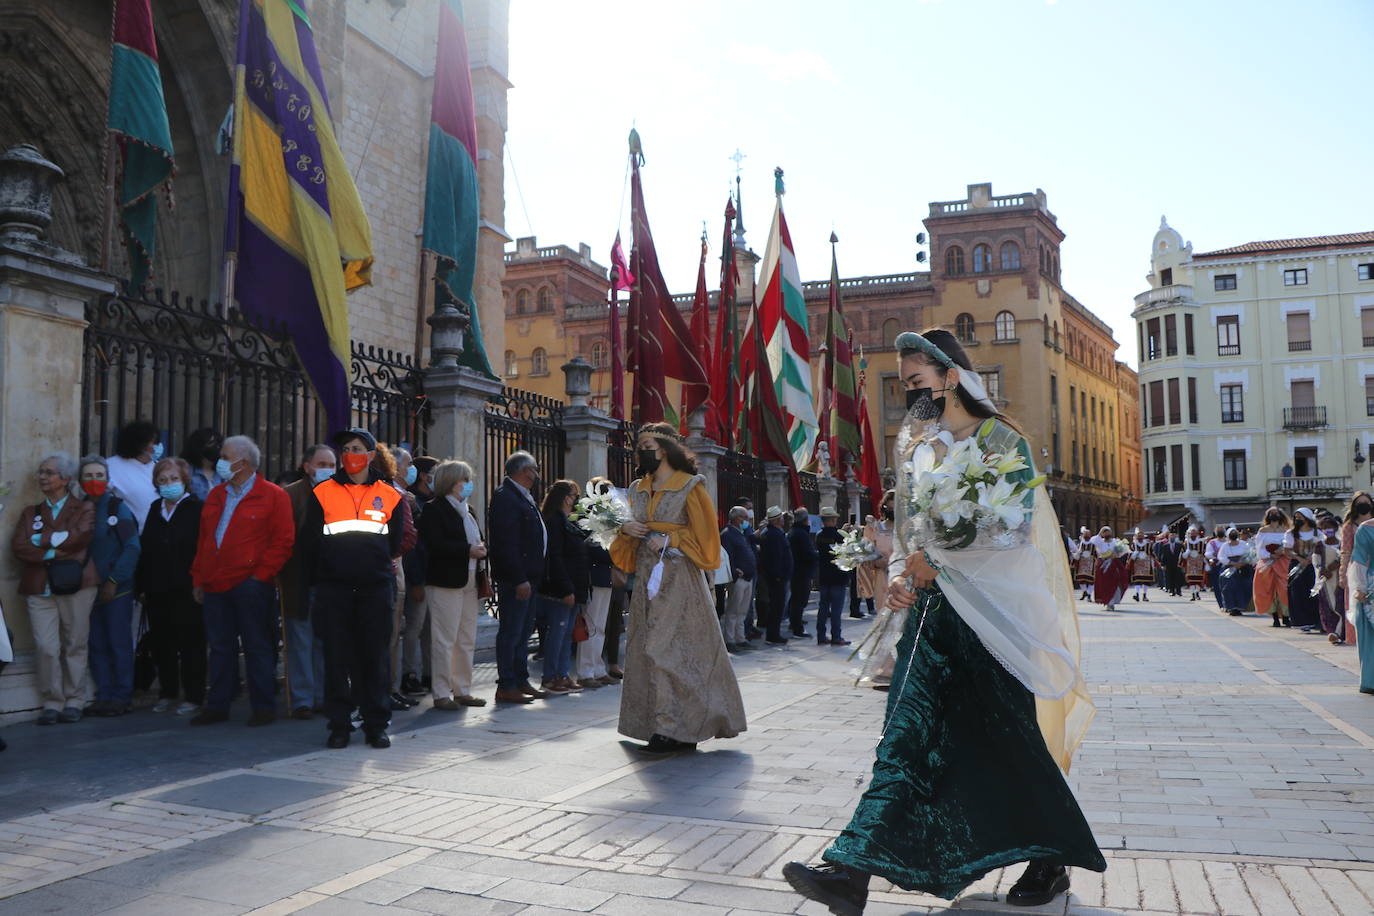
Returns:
<point x="780" y="641"/>
<point x="1287" y="621"/>
<point x="1135" y="597"/>
<point x="379" y="740"/>
<point x="856" y="616"/>
<point x="411" y="684"/>
<point x="801" y="634"/>
<point x="732" y="648"/>
<point x="822" y="641"/>
<point x="209" y="717"/>
<point x="752" y="633"/>
<point x="660" y="744"/>
<point x="338" y="738"/>
<point x="1145" y="598"/>
<point x="262" y="717"/>
<point x="399" y="703"/>
<point x="842" y="889"/>
<point x="1040" y="883"/>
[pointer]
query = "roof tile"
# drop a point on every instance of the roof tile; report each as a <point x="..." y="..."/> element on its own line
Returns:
<point x="1350" y="239"/>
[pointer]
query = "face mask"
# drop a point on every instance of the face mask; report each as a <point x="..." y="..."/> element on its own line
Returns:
<point x="172" y="491"/>
<point x="211" y="451"/>
<point x="354" y="463"/>
<point x="411" y="473"/>
<point x="465" y="491"/>
<point x="924" y="405"/>
<point x="648" y="461"/>
<point x="744" y="526"/>
<point x="320" y="475"/>
<point x="157" y="451"/>
<point x="224" y="468"/>
<point x="95" y="488"/>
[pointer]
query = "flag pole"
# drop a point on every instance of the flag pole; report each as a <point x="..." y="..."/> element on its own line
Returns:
<point x="107" y="209"/>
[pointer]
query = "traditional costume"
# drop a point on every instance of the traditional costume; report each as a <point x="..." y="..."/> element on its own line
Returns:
<point x="1271" y="576"/>
<point x="1331" y="593"/>
<point x="1359" y="590"/>
<point x="1142" y="567"/>
<point x="1302" y="575"/>
<point x="1084" y="564"/>
<point x="1113" y="572"/>
<point x="1194" y="564"/>
<point x="1213" y="569"/>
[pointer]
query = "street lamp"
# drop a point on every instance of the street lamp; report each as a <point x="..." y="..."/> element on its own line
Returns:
<point x="1359" y="462"/>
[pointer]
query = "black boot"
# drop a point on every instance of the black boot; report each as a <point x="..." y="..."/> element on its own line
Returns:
<point x="1040" y="883"/>
<point x="843" y="890"/>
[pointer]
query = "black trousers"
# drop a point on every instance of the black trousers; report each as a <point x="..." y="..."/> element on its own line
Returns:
<point x="615" y="626"/>
<point x="770" y="611"/>
<point x="355" y="624"/>
<point x="176" y="629"/>
<point x="796" y="601"/>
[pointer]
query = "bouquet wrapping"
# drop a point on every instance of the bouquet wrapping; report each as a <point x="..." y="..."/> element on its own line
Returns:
<point x="602" y="511"/>
<point x="853" y="551"/>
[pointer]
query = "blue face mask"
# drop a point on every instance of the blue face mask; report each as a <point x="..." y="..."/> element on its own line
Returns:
<point x="224" y="468"/>
<point x="465" y="490"/>
<point x="411" y="474"/>
<point x="744" y="525"/>
<point x="322" y="474"/>
<point x="172" y="491"/>
<point x="157" y="451"/>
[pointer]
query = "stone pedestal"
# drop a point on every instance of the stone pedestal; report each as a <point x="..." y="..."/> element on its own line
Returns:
<point x="854" y="491"/>
<point x="457" y="401"/>
<point x="776" y="473"/>
<point x="708" y="465"/>
<point x="829" y="489"/>
<point x="585" y="429"/>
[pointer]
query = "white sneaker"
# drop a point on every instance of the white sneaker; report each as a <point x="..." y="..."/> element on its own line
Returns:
<point x="162" y="705"/>
<point x="187" y="709"/>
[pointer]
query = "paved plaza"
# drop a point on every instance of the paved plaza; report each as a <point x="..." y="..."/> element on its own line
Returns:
<point x="1230" y="770"/>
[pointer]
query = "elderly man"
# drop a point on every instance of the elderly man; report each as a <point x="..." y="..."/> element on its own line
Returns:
<point x="349" y="542"/>
<point x="775" y="563"/>
<point x="743" y="568"/>
<point x="58" y="582"/>
<point x="831" y="580"/>
<point x="805" y="559"/>
<point x="304" y="649"/>
<point x="246" y="535"/>
<point x="518" y="543"/>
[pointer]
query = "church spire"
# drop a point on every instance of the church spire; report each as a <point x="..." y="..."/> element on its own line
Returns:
<point x="740" y="243"/>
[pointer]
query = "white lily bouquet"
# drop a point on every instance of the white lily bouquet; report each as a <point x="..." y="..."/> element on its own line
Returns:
<point x="853" y="551"/>
<point x="1250" y="559"/>
<point x="602" y="511"/>
<point x="967" y="494"/>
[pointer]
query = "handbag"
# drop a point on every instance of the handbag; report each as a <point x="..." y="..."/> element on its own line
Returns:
<point x="484" y="586"/>
<point x="64" y="576"/>
<point x="580" y="633"/>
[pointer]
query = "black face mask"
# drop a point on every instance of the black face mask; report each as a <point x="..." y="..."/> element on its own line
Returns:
<point x="887" y="512"/>
<point x="1363" y="509"/>
<point x="648" y="461"/>
<point x="211" y="452"/>
<point x="922" y="403"/>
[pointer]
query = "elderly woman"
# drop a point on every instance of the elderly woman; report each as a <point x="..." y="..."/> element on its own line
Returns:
<point x="114" y="551"/>
<point x="58" y="582"/>
<point x="453" y="547"/>
<point x="176" y="626"/>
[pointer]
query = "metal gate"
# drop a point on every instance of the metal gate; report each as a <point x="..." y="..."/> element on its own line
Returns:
<point x="519" y="420"/>
<point x="741" y="476"/>
<point x="620" y="454"/>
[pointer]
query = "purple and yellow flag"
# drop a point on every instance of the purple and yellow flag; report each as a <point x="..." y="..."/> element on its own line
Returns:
<point x="296" y="226"/>
<point x="138" y="120"/>
<point x="451" y="192"/>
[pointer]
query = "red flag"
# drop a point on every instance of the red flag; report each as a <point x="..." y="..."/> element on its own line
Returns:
<point x="869" y="475"/>
<point x="763" y="430"/>
<point x="617" y="356"/>
<point x="725" y="354"/>
<point x="621" y="277"/>
<point x="694" y="396"/>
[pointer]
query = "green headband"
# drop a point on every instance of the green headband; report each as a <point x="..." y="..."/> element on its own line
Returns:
<point x="910" y="340"/>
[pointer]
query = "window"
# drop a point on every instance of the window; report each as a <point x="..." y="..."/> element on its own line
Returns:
<point x="1367" y="326"/>
<point x="954" y="260"/>
<point x="1010" y="254"/>
<point x="1056" y="336"/>
<point x="1144" y="407"/>
<point x="1369" y="397"/>
<point x="1196" y="465"/>
<point x="992" y="381"/>
<point x="1153" y="348"/>
<point x="539" y="362"/>
<point x="1299" y="331"/>
<point x="1161" y="469"/>
<point x="600" y="355"/>
<point x="1232" y="404"/>
<point x="1228" y="335"/>
<point x="1171" y="335"/>
<point x="1233" y="469"/>
<point x="1188" y="334"/>
<point x="1005" y="326"/>
<point x="1295" y="277"/>
<point x="1364" y="272"/>
<point x="1192" y="400"/>
<point x="964" y="328"/>
<point x="512" y="364"/>
<point x="891" y="328"/>
<point x="1175" y="412"/>
<point x="1305" y="462"/>
<point x="1166" y="277"/>
<point x="1222" y="282"/>
<point x="1073" y="456"/>
<point x="545" y="299"/>
<point x="522" y="302"/>
<point x="982" y="259"/>
<point x="1176" y="469"/>
<point x="894" y="399"/>
<point x="1303" y="393"/>
<point x="1156" y="403"/>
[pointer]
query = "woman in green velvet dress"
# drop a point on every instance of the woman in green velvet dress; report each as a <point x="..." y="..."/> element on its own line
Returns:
<point x="987" y="702"/>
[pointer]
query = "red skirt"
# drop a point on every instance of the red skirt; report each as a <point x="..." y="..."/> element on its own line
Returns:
<point x="1113" y="576"/>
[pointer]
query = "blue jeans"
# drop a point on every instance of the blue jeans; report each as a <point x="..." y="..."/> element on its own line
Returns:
<point x="831" y="610"/>
<point x="304" y="664"/>
<point x="513" y="637"/>
<point x="558" y="621"/>
<point x="111" y="648"/>
<point x="245" y="615"/>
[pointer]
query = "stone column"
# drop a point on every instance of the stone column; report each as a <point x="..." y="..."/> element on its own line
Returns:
<point x="43" y="294"/>
<point x="458" y="401"/>
<point x="829" y="488"/>
<point x="585" y="429"/>
<point x="853" y="491"/>
<point x="776" y="473"/>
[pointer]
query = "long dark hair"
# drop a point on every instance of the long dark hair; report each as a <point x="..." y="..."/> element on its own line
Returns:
<point x="1350" y="509"/>
<point x="558" y="491"/>
<point x="955" y="351"/>
<point x="1275" y="516"/>
<point x="679" y="459"/>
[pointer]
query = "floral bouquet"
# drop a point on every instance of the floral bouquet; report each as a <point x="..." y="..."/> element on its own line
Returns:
<point x="967" y="492"/>
<point x="853" y="551"/>
<point x="1250" y="559"/>
<point x="602" y="511"/>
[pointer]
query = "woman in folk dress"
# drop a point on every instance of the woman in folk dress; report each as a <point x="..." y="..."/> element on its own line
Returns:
<point x="1194" y="563"/>
<point x="1142" y="566"/>
<point x="1084" y="564"/>
<point x="679" y="685"/>
<point x="1271" y="567"/>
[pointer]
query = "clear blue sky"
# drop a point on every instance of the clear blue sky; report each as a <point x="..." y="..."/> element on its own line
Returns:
<point x="1239" y="120"/>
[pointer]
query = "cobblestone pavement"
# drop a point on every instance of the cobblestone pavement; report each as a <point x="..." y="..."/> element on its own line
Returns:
<point x="1230" y="770"/>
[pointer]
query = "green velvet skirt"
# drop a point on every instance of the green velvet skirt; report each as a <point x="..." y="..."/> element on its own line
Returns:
<point x="963" y="783"/>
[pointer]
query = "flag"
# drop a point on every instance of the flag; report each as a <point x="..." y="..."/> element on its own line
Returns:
<point x="296" y="235"/>
<point x="869" y="475"/>
<point x="694" y="396"/>
<point x="839" y="426"/>
<point x="138" y="120"/>
<point x="782" y="317"/>
<point x="621" y="278"/>
<point x="658" y="340"/>
<point x="452" y="209"/>
<point x="725" y="354"/>
<point x="762" y="430"/>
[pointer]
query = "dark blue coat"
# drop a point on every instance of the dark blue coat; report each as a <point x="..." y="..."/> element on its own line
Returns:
<point x="830" y="574"/>
<point x="516" y="533"/>
<point x="805" y="558"/>
<point x="740" y="551"/>
<point x="775" y="557"/>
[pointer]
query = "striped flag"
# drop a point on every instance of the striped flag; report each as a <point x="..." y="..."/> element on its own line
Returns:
<point x="782" y="317"/>
<point x="296" y="237"/>
<point x="839" y="415"/>
<point x="725" y="354"/>
<point x="452" y="206"/>
<point x="694" y="396"/>
<point x="869" y="475"/>
<point x="138" y="120"/>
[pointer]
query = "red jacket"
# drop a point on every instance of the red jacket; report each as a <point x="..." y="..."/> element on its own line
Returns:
<point x="257" y="542"/>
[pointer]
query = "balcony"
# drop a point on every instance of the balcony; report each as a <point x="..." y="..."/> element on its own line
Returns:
<point x="1228" y="349"/>
<point x="1304" y="417"/>
<point x="1297" y="346"/>
<point x="1322" y="487"/>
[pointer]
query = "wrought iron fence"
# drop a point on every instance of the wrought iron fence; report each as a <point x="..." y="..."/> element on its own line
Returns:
<point x="811" y="492"/>
<point x="739" y="477"/>
<point x="518" y="420"/>
<point x="185" y="363"/>
<point x="620" y="454"/>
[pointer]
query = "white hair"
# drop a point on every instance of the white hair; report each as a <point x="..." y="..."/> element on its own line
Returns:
<point x="63" y="463"/>
<point x="249" y="449"/>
